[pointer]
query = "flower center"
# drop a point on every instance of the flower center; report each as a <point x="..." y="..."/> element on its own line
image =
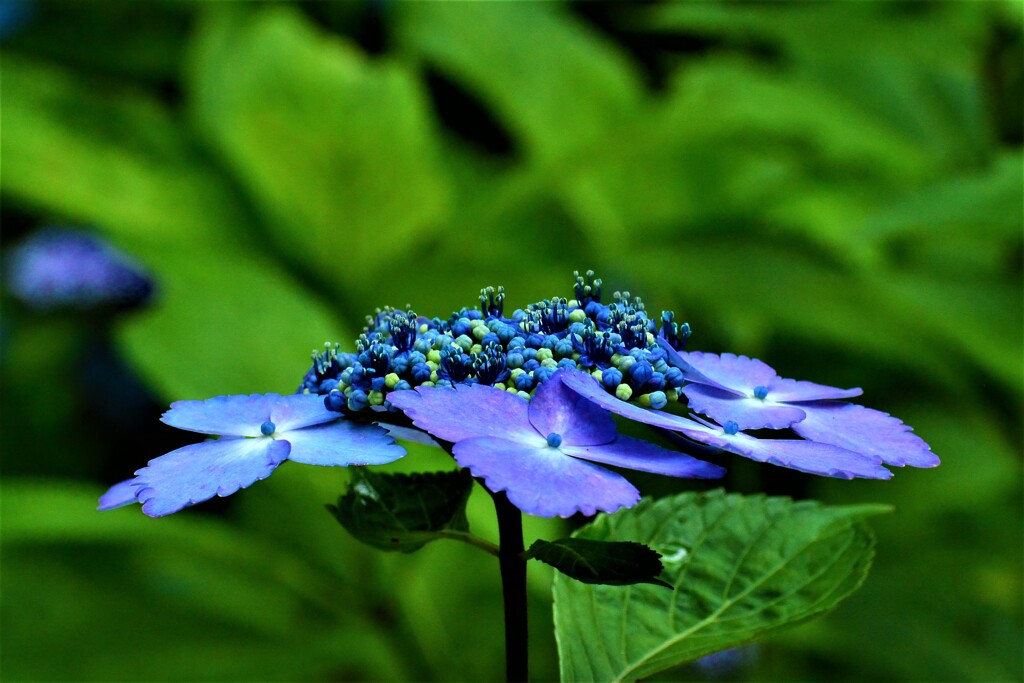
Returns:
<point x="267" y="428"/>
<point x="554" y="440"/>
<point x="730" y="427"/>
<point x="760" y="392"/>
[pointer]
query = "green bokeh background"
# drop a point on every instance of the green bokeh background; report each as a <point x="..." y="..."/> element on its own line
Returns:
<point x="833" y="187"/>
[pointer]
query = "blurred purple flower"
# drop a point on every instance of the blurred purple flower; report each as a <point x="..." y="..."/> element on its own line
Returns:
<point x="258" y="432"/>
<point x="542" y="452"/>
<point x="58" y="268"/>
<point x="748" y="392"/>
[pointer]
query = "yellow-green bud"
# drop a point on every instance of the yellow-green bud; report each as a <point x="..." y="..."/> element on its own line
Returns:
<point x="480" y="331"/>
<point x="434" y="357"/>
<point x="499" y="385"/>
<point x="549" y="363"/>
<point x="624" y="392"/>
<point x="644" y="399"/>
<point x="598" y="375"/>
<point x="544" y="354"/>
<point x="391" y="379"/>
<point x="577" y="316"/>
<point x="672" y="395"/>
<point x="427" y="384"/>
<point x="375" y="398"/>
<point x="476" y="348"/>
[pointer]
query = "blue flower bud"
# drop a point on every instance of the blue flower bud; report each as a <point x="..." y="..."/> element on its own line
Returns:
<point x="402" y="386"/>
<point x="334" y="401"/>
<point x="531" y="365"/>
<point x="640" y="373"/>
<point x="567" y="363"/>
<point x="529" y="354"/>
<point x="535" y="341"/>
<point x="515" y="360"/>
<point x="420" y="373"/>
<point x="611" y="378"/>
<point x="674" y="378"/>
<point x="328" y="385"/>
<point x="377" y="384"/>
<point x="516" y="342"/>
<point x="543" y="374"/>
<point x="490" y="338"/>
<point x="658" y="400"/>
<point x="524" y="382"/>
<point x="357" y="400"/>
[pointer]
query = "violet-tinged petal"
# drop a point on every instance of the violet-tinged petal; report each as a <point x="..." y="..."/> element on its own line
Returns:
<point x="729" y="371"/>
<point x="691" y="373"/>
<point x="542" y="480"/>
<point x="588" y="387"/>
<point x="807" y="456"/>
<point x="640" y="455"/>
<point x="238" y="415"/>
<point x="342" y="443"/>
<point x="556" y="408"/>
<point x="867" y="431"/>
<point x="790" y="390"/>
<point x="119" y="495"/>
<point x="296" y="411"/>
<point x="198" y="472"/>
<point x="747" y="413"/>
<point x="409" y="434"/>
<point x="467" y="411"/>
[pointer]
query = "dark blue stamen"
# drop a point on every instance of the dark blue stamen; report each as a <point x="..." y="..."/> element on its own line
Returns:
<point x="760" y="392"/>
<point x="492" y="301"/>
<point x="267" y="428"/>
<point x="587" y="289"/>
<point x="554" y="440"/>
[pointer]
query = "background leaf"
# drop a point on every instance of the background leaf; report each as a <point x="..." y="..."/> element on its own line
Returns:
<point x="608" y="563"/>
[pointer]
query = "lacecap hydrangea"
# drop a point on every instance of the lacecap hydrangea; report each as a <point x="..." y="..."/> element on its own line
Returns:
<point x="625" y="361"/>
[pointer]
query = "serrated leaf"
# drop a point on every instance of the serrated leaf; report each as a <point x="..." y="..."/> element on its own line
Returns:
<point x="404" y="512"/>
<point x="609" y="563"/>
<point x="741" y="566"/>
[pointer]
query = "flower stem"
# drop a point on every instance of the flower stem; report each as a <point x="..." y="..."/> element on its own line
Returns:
<point x="513" y="587"/>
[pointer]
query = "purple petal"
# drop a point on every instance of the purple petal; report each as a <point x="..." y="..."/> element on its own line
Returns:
<point x="543" y="481"/>
<point x="748" y="413"/>
<point x="792" y="390"/>
<point x="409" y="434"/>
<point x="198" y="472"/>
<point x="806" y="456"/>
<point x="223" y="415"/>
<point x="556" y="408"/>
<point x="640" y="455"/>
<point x="587" y="387"/>
<point x="673" y="358"/>
<point x="468" y="411"/>
<point x="867" y="431"/>
<point x="296" y="411"/>
<point x="729" y="371"/>
<point x="343" y="443"/>
<point x="119" y="495"/>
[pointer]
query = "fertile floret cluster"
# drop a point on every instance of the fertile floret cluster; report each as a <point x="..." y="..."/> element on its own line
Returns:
<point x="617" y="343"/>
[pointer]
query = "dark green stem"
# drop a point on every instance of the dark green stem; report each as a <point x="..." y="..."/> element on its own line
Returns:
<point x="513" y="587"/>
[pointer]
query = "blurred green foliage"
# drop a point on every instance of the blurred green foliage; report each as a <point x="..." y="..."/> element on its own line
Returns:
<point x="834" y="187"/>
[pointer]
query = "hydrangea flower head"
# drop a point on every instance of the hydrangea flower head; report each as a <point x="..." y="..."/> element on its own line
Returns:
<point x="58" y="268"/>
<point x="543" y="452"/>
<point x="258" y="433"/>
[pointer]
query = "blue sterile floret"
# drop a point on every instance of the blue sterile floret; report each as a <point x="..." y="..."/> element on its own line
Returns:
<point x="399" y="350"/>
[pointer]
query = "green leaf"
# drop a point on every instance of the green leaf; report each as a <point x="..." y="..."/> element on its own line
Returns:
<point x="741" y="566"/>
<point x="336" y="150"/>
<point x="554" y="83"/>
<point x="108" y="155"/>
<point x="224" y="322"/>
<point x="404" y="512"/>
<point x="610" y="563"/>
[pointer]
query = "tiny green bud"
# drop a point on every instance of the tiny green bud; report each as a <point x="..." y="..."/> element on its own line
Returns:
<point x="577" y="316"/>
<point x="623" y="392"/>
<point x="375" y="398"/>
<point x="434" y="357"/>
<point x="480" y="331"/>
<point x="391" y="379"/>
<point x="549" y="363"/>
<point x="544" y="354"/>
<point x="499" y="385"/>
